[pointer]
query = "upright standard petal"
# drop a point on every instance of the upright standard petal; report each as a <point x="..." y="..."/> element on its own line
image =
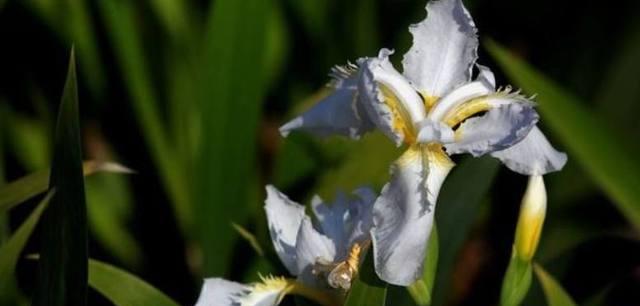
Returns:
<point x="444" y="48"/>
<point x="403" y="214"/>
<point x="392" y="104"/>
<point x="284" y="217"/>
<point x="496" y="130"/>
<point x="220" y="292"/>
<point x="338" y="113"/>
<point x="332" y="219"/>
<point x="534" y="155"/>
<point x="312" y="247"/>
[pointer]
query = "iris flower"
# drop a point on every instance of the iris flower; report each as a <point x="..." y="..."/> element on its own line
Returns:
<point x="435" y="108"/>
<point x="324" y="256"/>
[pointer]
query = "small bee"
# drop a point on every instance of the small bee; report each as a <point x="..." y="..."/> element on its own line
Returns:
<point x="344" y="272"/>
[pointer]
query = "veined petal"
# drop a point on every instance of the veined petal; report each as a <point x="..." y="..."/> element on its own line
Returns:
<point x="457" y="97"/>
<point x="403" y="214"/>
<point x="388" y="98"/>
<point x="221" y="292"/>
<point x="337" y="114"/>
<point x="284" y="217"/>
<point x="496" y="130"/>
<point x="444" y="48"/>
<point x="534" y="155"/>
<point x="312" y="247"/>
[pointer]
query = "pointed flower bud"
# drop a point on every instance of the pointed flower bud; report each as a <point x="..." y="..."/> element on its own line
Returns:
<point x="532" y="213"/>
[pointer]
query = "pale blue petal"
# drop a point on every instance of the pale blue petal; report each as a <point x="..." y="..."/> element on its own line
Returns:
<point x="403" y="215"/>
<point x="337" y="114"/>
<point x="496" y="130"/>
<point x="284" y="217"/>
<point x="534" y="155"/>
<point x="401" y="106"/>
<point x="312" y="247"/>
<point x="444" y="48"/>
<point x="221" y="292"/>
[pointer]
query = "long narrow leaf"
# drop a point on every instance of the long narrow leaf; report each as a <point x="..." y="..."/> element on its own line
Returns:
<point x="10" y="251"/>
<point x="119" y="17"/>
<point x="516" y="281"/>
<point x="232" y="91"/>
<point x="36" y="183"/>
<point x="456" y="213"/>
<point x="123" y="288"/>
<point x="556" y="296"/>
<point x="589" y="140"/>
<point x="367" y="289"/>
<point x="62" y="277"/>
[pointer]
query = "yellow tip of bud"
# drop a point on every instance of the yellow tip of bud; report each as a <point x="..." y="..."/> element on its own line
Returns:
<point x="532" y="213"/>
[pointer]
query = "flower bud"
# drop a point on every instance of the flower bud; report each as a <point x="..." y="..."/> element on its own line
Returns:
<point x="532" y="213"/>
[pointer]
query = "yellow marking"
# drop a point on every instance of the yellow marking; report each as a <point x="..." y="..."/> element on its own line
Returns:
<point x="429" y="101"/>
<point x="466" y="110"/>
<point x="401" y="121"/>
<point x="423" y="153"/>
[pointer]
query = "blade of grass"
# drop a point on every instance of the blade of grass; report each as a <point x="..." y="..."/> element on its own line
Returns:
<point x="119" y="17"/>
<point x="589" y="139"/>
<point x="29" y="186"/>
<point x="367" y="289"/>
<point x="10" y="252"/>
<point x="556" y="295"/>
<point x="62" y="277"/>
<point x="232" y="91"/>
<point x="123" y="288"/>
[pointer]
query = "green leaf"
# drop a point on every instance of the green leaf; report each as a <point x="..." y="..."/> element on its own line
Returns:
<point x="123" y="288"/>
<point x="10" y="251"/>
<point x="367" y="289"/>
<point x="516" y="282"/>
<point x="36" y="183"/>
<point x="62" y="278"/>
<point x="232" y="91"/>
<point x="422" y="289"/>
<point x="556" y="296"/>
<point x="589" y="139"/>
<point x="456" y="211"/>
<point x="120" y="19"/>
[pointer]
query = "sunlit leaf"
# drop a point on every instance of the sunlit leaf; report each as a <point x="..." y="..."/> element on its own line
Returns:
<point x="589" y="140"/>
<point x="10" y="251"/>
<point x="456" y="212"/>
<point x="29" y="186"/>
<point x="422" y="290"/>
<point x="516" y="282"/>
<point x="556" y="296"/>
<point x="123" y="288"/>
<point x="367" y="289"/>
<point x="232" y="90"/>
<point x="62" y="277"/>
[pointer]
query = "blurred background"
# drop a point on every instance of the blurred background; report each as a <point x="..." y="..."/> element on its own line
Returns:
<point x="190" y="95"/>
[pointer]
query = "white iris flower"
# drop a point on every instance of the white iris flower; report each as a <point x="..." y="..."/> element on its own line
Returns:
<point x="436" y="108"/>
<point x="324" y="256"/>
